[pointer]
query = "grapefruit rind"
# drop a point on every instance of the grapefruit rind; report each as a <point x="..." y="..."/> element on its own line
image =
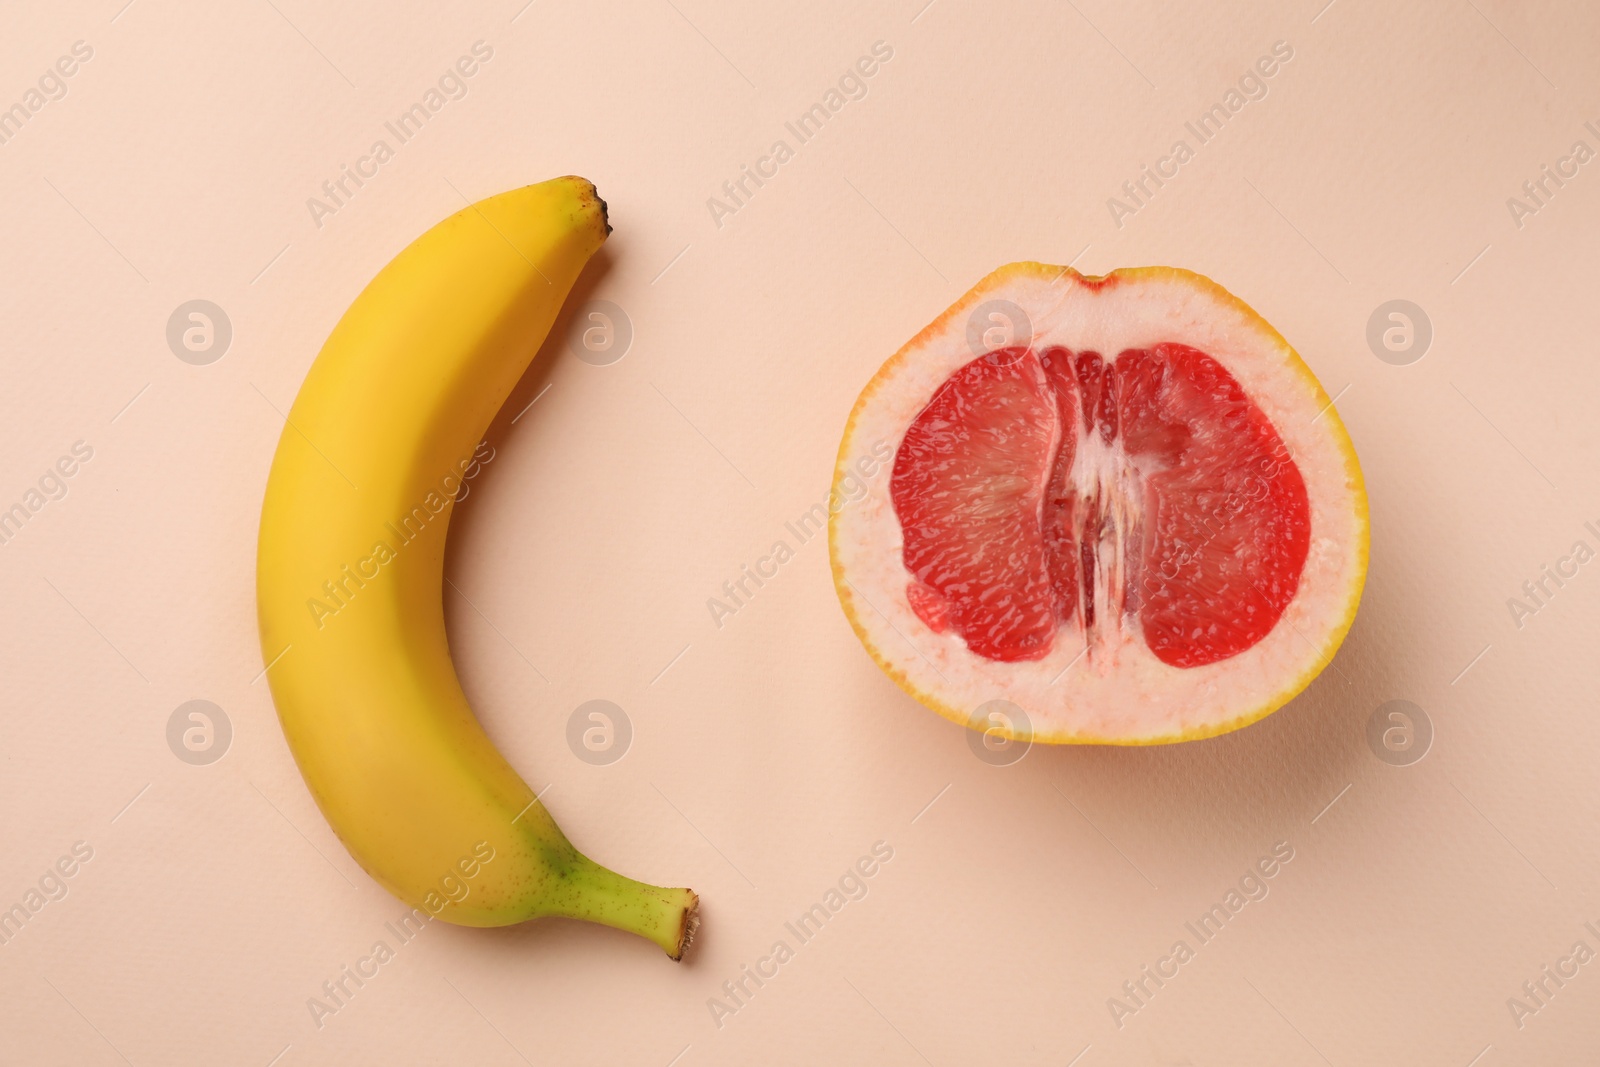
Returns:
<point x="1134" y="700"/>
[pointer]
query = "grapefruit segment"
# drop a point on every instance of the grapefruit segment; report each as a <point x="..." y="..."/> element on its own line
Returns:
<point x="1229" y="525"/>
<point x="1154" y="484"/>
<point x="968" y="477"/>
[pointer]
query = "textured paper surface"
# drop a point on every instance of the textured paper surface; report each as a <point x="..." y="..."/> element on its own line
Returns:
<point x="768" y="754"/>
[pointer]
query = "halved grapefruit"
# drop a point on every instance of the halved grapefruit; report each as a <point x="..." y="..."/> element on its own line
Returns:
<point x="1119" y="506"/>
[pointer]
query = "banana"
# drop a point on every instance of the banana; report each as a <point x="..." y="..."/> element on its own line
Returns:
<point x="350" y="569"/>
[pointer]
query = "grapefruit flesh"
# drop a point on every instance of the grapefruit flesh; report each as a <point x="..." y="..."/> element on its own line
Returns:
<point x="1036" y="488"/>
<point x="1142" y="521"/>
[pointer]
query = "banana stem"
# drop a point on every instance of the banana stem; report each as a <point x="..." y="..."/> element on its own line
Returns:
<point x="596" y="894"/>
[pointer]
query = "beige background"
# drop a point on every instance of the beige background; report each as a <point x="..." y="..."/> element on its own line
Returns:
<point x="770" y="753"/>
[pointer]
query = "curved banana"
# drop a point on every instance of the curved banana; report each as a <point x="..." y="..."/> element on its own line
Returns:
<point x="350" y="572"/>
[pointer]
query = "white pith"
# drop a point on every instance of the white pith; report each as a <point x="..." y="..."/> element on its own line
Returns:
<point x="1120" y="692"/>
<point x="1105" y="478"/>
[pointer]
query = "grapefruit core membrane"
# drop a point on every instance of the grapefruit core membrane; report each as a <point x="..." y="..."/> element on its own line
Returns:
<point x="1120" y="504"/>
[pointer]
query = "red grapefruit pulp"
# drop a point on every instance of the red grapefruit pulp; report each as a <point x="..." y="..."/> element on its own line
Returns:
<point x="1145" y="486"/>
<point x="1148" y="480"/>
